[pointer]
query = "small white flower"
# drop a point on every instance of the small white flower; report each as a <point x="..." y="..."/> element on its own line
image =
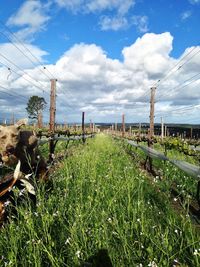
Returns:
<point x="175" y="199"/>
<point x="176" y="231"/>
<point x="78" y="253"/>
<point x="7" y="203"/>
<point x="21" y="192"/>
<point x="196" y="252"/>
<point x="138" y="220"/>
<point x="110" y="220"/>
<point x="67" y="242"/>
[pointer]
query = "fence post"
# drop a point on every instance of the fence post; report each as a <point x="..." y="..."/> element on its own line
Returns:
<point x="162" y="129"/>
<point x="123" y="125"/>
<point x="83" y="126"/>
<point x="52" y="117"/>
<point x="151" y="129"/>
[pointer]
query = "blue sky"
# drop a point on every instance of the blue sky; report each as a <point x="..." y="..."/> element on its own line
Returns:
<point x="63" y="30"/>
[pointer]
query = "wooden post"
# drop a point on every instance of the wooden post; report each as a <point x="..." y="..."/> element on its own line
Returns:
<point x="162" y="129"/>
<point x="83" y="126"/>
<point x="90" y="125"/>
<point x="191" y="133"/>
<point x="52" y="117"/>
<point x="165" y="130"/>
<point x="40" y="120"/>
<point x="152" y="103"/>
<point x="12" y="122"/>
<point x="151" y="129"/>
<point x="123" y="125"/>
<point x="140" y="126"/>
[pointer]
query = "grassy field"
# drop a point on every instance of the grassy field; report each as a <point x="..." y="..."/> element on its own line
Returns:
<point x="100" y="210"/>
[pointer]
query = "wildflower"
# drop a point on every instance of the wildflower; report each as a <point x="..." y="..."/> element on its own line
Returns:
<point x="196" y="253"/>
<point x="67" y="242"/>
<point x="7" y="203"/>
<point x="109" y="220"/>
<point x="21" y="192"/>
<point x="176" y="231"/>
<point x="138" y="220"/>
<point x="78" y="253"/>
<point x="175" y="199"/>
<point x="152" y="264"/>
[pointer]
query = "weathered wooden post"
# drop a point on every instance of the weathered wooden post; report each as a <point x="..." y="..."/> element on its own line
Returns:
<point x="52" y="118"/>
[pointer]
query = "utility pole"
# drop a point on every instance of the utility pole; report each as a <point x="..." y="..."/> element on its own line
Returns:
<point x="52" y="117"/>
<point x="152" y="104"/>
<point x="123" y="125"/>
<point x="162" y="129"/>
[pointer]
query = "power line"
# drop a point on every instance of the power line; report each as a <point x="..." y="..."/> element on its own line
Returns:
<point x="26" y="48"/>
<point x="20" y="69"/>
<point x="19" y="49"/>
<point x="182" y="85"/>
<point x="171" y="71"/>
<point x="3" y="64"/>
<point x="11" y="94"/>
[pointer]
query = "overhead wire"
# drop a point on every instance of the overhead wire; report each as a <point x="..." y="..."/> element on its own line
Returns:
<point x="27" y="49"/>
<point x="18" y="67"/>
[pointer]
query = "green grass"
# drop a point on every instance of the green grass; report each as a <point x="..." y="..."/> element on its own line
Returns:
<point x="99" y="203"/>
<point x="170" y="174"/>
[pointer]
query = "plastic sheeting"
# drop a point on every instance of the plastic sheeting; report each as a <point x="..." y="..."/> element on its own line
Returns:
<point x="153" y="153"/>
<point x="132" y="143"/>
<point x="187" y="167"/>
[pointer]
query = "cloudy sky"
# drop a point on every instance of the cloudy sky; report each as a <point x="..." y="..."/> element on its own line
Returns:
<point x="106" y="55"/>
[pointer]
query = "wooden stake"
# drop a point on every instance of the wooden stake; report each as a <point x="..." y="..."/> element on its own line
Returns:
<point x="52" y="117"/>
<point x="162" y="129"/>
<point x="152" y="103"/>
<point x="123" y="125"/>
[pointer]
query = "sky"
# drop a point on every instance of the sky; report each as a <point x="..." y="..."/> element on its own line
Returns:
<point x="105" y="55"/>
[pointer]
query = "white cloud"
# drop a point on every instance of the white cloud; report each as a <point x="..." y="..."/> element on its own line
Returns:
<point x="149" y="53"/>
<point x="141" y="22"/>
<point x="91" y="6"/>
<point x="117" y="21"/>
<point x="185" y="15"/>
<point x="31" y="17"/>
<point x="88" y="80"/>
<point x="8" y="49"/>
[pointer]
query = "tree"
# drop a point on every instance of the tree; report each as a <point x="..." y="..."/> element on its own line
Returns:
<point x="35" y="106"/>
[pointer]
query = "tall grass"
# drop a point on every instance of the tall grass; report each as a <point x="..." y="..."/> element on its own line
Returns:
<point x="99" y="208"/>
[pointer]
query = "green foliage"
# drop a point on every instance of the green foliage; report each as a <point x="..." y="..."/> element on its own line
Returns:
<point x="99" y="202"/>
<point x="35" y="105"/>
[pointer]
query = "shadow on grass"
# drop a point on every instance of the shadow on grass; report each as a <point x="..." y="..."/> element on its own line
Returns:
<point x="99" y="259"/>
